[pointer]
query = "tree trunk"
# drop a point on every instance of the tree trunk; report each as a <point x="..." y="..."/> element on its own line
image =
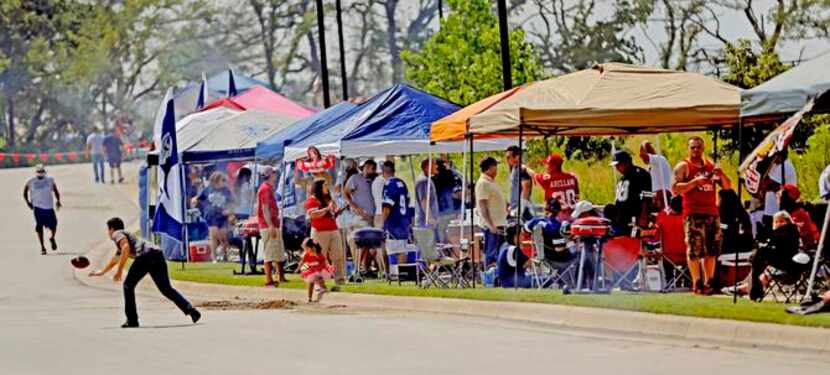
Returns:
<point x="391" y="40"/>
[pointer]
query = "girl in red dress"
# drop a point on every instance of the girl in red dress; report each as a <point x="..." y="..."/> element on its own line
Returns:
<point x="315" y="268"/>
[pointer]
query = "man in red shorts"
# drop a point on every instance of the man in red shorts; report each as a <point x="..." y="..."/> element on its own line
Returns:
<point x="559" y="184"/>
<point x="696" y="179"/>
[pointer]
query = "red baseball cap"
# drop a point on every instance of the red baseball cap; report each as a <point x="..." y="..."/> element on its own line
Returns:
<point x="554" y="159"/>
<point x="792" y="191"/>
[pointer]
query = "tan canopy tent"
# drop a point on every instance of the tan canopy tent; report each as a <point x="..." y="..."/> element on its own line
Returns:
<point x="611" y="99"/>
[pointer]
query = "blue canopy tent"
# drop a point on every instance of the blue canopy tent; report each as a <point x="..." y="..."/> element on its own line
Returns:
<point x="396" y="121"/>
<point x="789" y="91"/>
<point x="272" y="148"/>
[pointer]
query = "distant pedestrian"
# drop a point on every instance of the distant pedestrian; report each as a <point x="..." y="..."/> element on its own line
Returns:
<point x="38" y="196"/>
<point x="315" y="268"/>
<point x="95" y="152"/>
<point x="113" y="149"/>
<point x="147" y="259"/>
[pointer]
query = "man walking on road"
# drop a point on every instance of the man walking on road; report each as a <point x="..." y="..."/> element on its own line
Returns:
<point x="40" y="188"/>
<point x="147" y="259"/>
<point x="112" y="147"/>
<point x="95" y="151"/>
<point x="695" y="178"/>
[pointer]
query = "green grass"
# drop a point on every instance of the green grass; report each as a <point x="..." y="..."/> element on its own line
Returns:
<point x="674" y="304"/>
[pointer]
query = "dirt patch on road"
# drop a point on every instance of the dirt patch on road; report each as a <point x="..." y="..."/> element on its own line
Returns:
<point x="248" y="305"/>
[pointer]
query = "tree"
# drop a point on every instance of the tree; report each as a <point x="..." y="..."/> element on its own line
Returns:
<point x="462" y="61"/>
<point x="571" y="36"/>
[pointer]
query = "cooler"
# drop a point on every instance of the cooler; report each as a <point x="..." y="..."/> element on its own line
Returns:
<point x="402" y="258"/>
<point x="200" y="251"/>
<point x="728" y="273"/>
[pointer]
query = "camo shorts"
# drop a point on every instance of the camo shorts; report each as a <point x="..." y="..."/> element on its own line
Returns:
<point x="703" y="236"/>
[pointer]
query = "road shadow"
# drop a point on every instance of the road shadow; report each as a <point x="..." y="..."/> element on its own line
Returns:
<point x="154" y="326"/>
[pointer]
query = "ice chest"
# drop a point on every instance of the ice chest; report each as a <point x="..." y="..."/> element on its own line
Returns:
<point x="402" y="258"/>
<point x="199" y="251"/>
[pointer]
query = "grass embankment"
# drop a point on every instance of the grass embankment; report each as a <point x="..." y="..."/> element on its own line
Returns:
<point x="675" y="304"/>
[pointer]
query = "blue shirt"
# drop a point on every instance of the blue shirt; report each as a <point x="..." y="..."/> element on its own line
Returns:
<point x="550" y="226"/>
<point x="396" y="196"/>
<point x="511" y="275"/>
<point x="215" y="202"/>
<point x="421" y="195"/>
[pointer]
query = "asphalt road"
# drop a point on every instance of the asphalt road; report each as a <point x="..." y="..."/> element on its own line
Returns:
<point x="52" y="323"/>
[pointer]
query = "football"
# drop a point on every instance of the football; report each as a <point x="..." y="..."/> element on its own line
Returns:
<point x="80" y="262"/>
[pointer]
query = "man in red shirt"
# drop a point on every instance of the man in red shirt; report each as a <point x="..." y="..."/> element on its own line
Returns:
<point x="559" y="184"/>
<point x="268" y="216"/>
<point x="696" y="178"/>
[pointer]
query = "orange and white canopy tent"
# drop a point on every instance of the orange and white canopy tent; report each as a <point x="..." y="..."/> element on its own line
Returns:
<point x="607" y="99"/>
<point x="454" y="126"/>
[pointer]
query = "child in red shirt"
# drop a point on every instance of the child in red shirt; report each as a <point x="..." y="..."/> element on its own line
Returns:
<point x="315" y="268"/>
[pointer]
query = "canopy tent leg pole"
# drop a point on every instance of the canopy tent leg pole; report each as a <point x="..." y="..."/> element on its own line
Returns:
<point x="472" y="216"/>
<point x="518" y="238"/>
<point x="817" y="257"/>
<point x="463" y="189"/>
<point x="185" y="240"/>
<point x="715" y="146"/>
<point x="547" y="148"/>
<point x="427" y="211"/>
<point x="660" y="173"/>
<point x="411" y="169"/>
<point x="740" y="191"/>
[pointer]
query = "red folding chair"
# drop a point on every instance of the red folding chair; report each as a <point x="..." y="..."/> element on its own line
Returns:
<point x="673" y="242"/>
<point x="622" y="256"/>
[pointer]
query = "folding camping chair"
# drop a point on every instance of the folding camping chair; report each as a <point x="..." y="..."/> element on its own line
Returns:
<point x="622" y="256"/>
<point x="546" y="271"/>
<point x="434" y="266"/>
<point x="790" y="288"/>
<point x="673" y="245"/>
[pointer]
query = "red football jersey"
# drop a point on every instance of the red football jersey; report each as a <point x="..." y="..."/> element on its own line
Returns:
<point x="562" y="186"/>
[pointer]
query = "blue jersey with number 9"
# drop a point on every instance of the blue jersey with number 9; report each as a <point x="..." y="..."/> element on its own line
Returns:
<point x="396" y="196"/>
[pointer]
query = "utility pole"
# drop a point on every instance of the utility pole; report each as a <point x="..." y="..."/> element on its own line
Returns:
<point x="343" y="79"/>
<point x="324" y="69"/>
<point x="506" y="69"/>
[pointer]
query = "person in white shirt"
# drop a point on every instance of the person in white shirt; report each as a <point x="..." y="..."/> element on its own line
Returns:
<point x="95" y="152"/>
<point x="38" y="193"/>
<point x="774" y="184"/>
<point x="661" y="174"/>
<point x="377" y="195"/>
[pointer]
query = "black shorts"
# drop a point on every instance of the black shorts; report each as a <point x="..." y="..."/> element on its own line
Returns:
<point x="114" y="163"/>
<point x="45" y="218"/>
